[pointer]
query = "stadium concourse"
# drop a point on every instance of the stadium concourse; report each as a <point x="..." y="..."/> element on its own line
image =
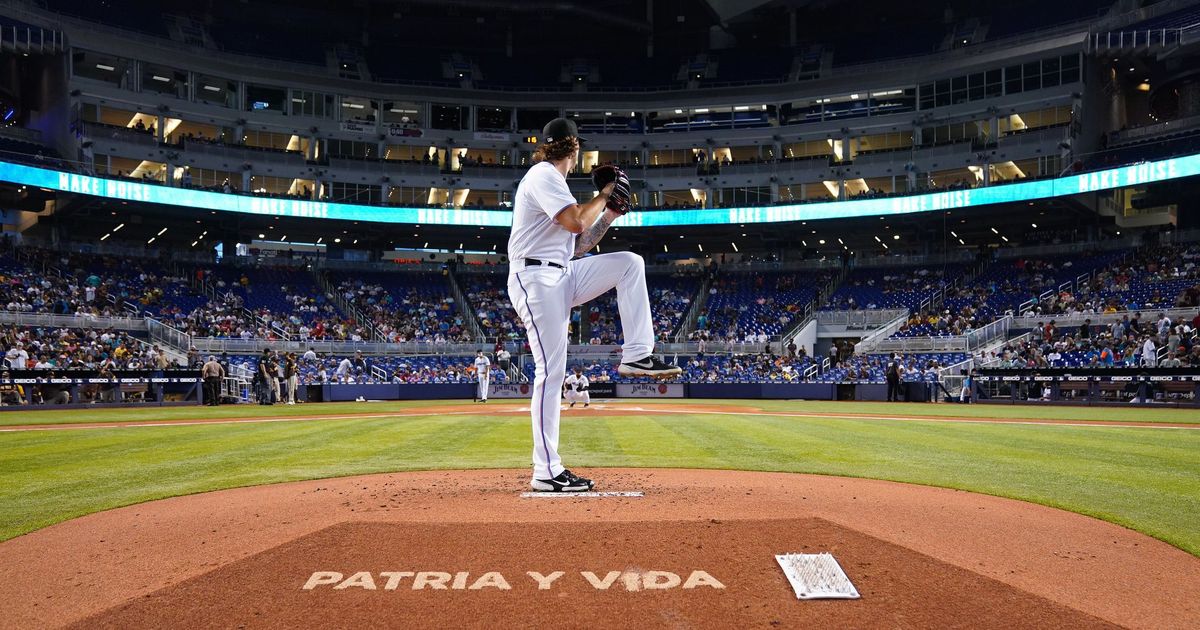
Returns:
<point x="899" y="311"/>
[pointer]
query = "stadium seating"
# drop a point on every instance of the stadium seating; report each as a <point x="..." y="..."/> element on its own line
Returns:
<point x="1187" y="16"/>
<point x="405" y="305"/>
<point x="670" y="298"/>
<point x="62" y="349"/>
<point x="380" y="369"/>
<point x="893" y="287"/>
<point x="870" y="368"/>
<point x="488" y="295"/>
<point x="755" y="306"/>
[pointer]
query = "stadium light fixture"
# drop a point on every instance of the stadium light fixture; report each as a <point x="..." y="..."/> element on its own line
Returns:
<point x="703" y="110"/>
<point x="822" y="241"/>
<point x="319" y="239"/>
<point x="804" y="243"/>
<point x="741" y="108"/>
<point x="884" y="245"/>
<point x="877" y="240"/>
<point x="962" y="241"/>
<point x="337" y="239"/>
<point x="212" y="88"/>
<point x="1034" y="225"/>
<point x="118" y="227"/>
<point x="1004" y="238"/>
<point x="283" y="238"/>
<point x="152" y="239"/>
<point x="106" y="236"/>
<point x="160" y="232"/>
<point x="665" y="250"/>
<point x="104" y="66"/>
<point x="158" y="78"/>
<point x="262" y="236"/>
<point x="734" y="246"/>
<point x="895" y="237"/>
<point x="841" y="242"/>
<point x="700" y="246"/>
<point x="194" y="243"/>
<point x="995" y="231"/>
<point x="953" y="233"/>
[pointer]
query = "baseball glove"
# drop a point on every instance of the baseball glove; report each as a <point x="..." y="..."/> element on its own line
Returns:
<point x="621" y="200"/>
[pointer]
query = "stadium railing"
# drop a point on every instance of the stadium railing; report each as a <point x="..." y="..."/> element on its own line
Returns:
<point x="1179" y="125"/>
<point x="860" y="319"/>
<point x="957" y="343"/>
<point x="72" y="321"/>
<point x="1063" y="320"/>
<point x="870" y="342"/>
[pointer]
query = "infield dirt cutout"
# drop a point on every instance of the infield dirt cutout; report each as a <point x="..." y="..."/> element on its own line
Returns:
<point x="461" y="549"/>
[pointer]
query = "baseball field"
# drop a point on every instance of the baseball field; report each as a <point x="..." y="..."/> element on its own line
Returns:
<point x="1138" y="469"/>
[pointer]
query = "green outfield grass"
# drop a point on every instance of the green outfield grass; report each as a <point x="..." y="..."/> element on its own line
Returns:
<point x="1113" y="414"/>
<point x="1146" y="479"/>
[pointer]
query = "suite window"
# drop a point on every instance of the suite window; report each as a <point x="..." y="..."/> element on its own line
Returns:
<point x="450" y="117"/>
<point x="314" y="104"/>
<point x="1031" y="76"/>
<point x="265" y="98"/>
<point x="1070" y="68"/>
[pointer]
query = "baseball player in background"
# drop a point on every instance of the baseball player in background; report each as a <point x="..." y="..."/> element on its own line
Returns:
<point x="483" y="372"/>
<point x="575" y="388"/>
<point x="549" y="229"/>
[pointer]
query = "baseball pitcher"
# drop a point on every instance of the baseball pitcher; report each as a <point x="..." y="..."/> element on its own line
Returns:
<point x="549" y="229"/>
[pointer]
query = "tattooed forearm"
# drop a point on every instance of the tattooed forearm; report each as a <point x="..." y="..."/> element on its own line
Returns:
<point x="591" y="236"/>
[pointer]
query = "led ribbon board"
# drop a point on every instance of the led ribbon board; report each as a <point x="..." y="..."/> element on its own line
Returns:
<point x="1132" y="175"/>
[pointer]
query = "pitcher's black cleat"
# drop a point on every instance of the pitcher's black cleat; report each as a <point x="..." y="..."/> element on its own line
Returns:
<point x="649" y="366"/>
<point x="566" y="481"/>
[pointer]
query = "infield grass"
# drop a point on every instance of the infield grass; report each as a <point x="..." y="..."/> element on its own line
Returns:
<point x="1144" y="478"/>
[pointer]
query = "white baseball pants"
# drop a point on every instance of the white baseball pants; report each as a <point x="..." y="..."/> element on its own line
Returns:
<point x="544" y="296"/>
<point x="584" y="397"/>
<point x="483" y="386"/>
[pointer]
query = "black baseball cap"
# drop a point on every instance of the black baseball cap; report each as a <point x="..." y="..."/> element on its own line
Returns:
<point x="560" y="128"/>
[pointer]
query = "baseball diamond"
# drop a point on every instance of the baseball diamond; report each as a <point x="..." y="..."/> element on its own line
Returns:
<point x="637" y="314"/>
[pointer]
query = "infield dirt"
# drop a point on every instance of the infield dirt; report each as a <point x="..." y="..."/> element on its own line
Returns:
<point x="920" y="557"/>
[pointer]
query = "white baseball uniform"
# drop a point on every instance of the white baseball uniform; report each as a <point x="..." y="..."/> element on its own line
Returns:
<point x="543" y="296"/>
<point x="483" y="371"/>
<point x="577" y="389"/>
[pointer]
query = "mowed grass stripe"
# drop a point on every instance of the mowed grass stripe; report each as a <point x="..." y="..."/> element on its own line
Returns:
<point x="1145" y="479"/>
<point x="1139" y="413"/>
<point x="982" y="412"/>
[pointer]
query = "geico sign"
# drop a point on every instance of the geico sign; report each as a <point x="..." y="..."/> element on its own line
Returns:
<point x="463" y="581"/>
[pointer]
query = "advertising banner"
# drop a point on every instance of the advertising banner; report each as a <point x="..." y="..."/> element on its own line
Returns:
<point x="650" y="390"/>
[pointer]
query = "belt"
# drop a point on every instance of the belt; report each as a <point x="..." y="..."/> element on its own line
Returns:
<point x="535" y="263"/>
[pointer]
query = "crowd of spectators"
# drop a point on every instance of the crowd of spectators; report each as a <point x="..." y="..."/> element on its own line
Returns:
<point x="64" y="349"/>
<point x="407" y="309"/>
<point x="488" y="295"/>
<point x="1133" y="341"/>
<point x="62" y="283"/>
